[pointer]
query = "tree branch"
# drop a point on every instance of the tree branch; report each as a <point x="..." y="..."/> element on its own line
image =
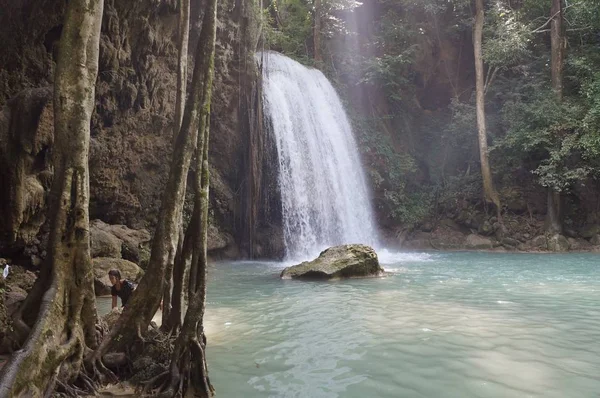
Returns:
<point x="549" y="20"/>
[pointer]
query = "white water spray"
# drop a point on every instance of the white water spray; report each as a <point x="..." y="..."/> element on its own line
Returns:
<point x="323" y="191"/>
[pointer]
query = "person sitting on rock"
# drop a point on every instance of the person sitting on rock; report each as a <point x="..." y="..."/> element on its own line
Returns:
<point x="122" y="288"/>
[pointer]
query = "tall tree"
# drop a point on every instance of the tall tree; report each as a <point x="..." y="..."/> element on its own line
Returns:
<point x="317" y="31"/>
<point x="182" y="74"/>
<point x="554" y="202"/>
<point x="188" y="372"/>
<point x="489" y="191"/>
<point x="145" y="300"/>
<point x="65" y="328"/>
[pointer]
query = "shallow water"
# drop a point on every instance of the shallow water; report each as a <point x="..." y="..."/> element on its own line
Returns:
<point x="441" y="325"/>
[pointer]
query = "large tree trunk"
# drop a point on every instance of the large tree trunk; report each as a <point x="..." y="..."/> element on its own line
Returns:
<point x="182" y="75"/>
<point x="180" y="272"/>
<point x="554" y="222"/>
<point x="488" y="184"/>
<point x="145" y="300"/>
<point x="53" y="352"/>
<point x="188" y="372"/>
<point x="317" y="31"/>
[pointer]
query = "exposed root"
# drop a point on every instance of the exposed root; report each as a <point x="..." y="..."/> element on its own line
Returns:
<point x="73" y="390"/>
<point x="99" y="373"/>
<point x="149" y="385"/>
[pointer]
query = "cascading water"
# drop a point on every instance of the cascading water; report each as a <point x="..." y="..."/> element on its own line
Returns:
<point x="323" y="191"/>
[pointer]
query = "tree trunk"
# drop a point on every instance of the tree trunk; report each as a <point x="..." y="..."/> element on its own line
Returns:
<point x="317" y="32"/>
<point x="557" y="48"/>
<point x="490" y="193"/>
<point x="180" y="271"/>
<point x="182" y="75"/>
<point x="554" y="212"/>
<point x="188" y="373"/>
<point x="554" y="222"/>
<point x="145" y="300"/>
<point x="182" y="64"/>
<point x="53" y="352"/>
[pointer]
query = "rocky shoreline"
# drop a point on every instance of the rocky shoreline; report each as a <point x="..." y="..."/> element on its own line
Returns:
<point x="517" y="234"/>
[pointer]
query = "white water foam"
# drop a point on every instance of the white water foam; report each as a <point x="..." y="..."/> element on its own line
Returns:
<point x="324" y="194"/>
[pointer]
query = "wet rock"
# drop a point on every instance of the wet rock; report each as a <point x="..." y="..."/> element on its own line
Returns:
<point x="524" y="247"/>
<point x="510" y="242"/>
<point x="478" y="242"/>
<point x="345" y="261"/>
<point x="569" y="232"/>
<point x="579" y="244"/>
<point x="102" y="265"/>
<point x="539" y="242"/>
<point x="215" y="239"/>
<point x="417" y="244"/>
<point x="450" y="224"/>
<point x="595" y="240"/>
<point x="486" y="228"/>
<point x="558" y="243"/>
<point x="590" y="230"/>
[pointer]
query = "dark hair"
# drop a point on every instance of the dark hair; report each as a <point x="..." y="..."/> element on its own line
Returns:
<point x="115" y="273"/>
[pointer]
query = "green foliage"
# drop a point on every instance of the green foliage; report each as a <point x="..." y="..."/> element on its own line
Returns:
<point x="288" y="28"/>
<point x="422" y="152"/>
<point x="507" y="39"/>
<point x="390" y="171"/>
<point x="559" y="139"/>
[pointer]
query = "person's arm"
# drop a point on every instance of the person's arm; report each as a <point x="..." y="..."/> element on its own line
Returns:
<point x="114" y="302"/>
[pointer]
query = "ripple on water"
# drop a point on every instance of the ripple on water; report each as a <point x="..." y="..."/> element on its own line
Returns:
<point x="452" y="325"/>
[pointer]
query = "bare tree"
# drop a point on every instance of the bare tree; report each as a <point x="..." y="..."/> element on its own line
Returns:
<point x="555" y="200"/>
<point x="317" y="31"/>
<point x="66" y="325"/>
<point x="490" y="193"/>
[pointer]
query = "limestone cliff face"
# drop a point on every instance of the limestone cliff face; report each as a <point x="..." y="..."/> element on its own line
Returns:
<point x="130" y="146"/>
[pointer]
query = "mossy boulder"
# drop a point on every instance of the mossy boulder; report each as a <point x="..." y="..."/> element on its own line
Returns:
<point x="478" y="242"/>
<point x="589" y="230"/>
<point x="345" y="261"/>
<point x="558" y="243"/>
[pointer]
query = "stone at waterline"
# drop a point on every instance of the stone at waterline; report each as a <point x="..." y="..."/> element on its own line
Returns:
<point x="478" y="242"/>
<point x="558" y="243"/>
<point x="345" y="261"/>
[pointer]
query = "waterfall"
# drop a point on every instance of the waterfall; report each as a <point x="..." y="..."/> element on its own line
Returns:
<point x="324" y="195"/>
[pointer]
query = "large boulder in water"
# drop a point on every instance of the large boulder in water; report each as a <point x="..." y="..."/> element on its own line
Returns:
<point x="346" y="261"/>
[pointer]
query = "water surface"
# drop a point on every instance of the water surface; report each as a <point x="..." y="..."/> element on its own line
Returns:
<point x="441" y="325"/>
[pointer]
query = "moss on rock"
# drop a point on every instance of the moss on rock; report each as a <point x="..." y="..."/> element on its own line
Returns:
<point x="345" y="261"/>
